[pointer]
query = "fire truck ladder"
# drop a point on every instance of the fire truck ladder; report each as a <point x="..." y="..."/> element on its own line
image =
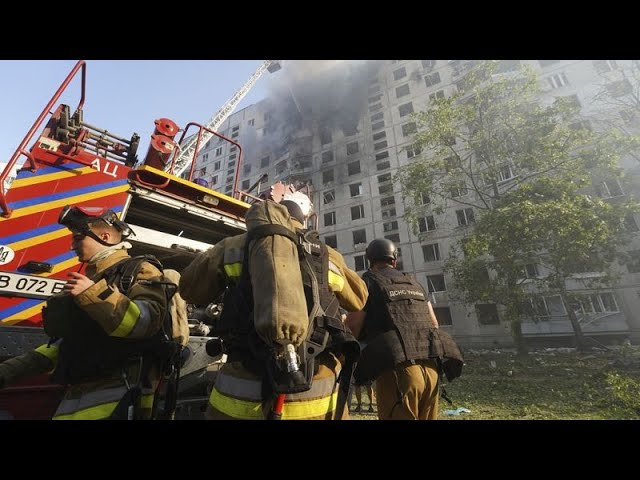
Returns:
<point x="185" y="156"/>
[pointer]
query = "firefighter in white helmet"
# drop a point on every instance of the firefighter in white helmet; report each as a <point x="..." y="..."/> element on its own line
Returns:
<point x="272" y="270"/>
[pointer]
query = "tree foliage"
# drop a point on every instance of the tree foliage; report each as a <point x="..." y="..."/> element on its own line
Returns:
<point x="528" y="167"/>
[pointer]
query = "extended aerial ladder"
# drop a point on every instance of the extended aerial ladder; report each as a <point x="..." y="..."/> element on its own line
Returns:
<point x="186" y="156"/>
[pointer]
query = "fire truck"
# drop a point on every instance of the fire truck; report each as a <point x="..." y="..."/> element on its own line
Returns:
<point x="68" y="161"/>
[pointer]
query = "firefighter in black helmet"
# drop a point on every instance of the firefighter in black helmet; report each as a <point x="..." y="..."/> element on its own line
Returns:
<point x="396" y="323"/>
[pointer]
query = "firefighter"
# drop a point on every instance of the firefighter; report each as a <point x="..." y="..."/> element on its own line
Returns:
<point x="97" y="333"/>
<point x="243" y="388"/>
<point x="396" y="323"/>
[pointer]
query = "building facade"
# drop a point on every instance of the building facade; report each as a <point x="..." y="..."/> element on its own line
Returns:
<point x="347" y="129"/>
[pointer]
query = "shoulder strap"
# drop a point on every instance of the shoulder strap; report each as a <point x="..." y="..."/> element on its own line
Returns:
<point x="130" y="268"/>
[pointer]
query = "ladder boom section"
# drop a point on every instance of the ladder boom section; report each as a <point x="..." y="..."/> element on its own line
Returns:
<point x="185" y="156"/>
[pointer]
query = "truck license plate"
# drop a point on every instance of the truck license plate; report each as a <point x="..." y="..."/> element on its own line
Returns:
<point x="30" y="286"/>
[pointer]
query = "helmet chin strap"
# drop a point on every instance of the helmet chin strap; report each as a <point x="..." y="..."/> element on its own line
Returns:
<point x="90" y="233"/>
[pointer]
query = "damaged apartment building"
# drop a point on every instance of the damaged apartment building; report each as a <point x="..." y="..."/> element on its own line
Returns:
<point x="344" y="129"/>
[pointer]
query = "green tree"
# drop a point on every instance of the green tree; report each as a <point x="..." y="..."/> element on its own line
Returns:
<point x="480" y="147"/>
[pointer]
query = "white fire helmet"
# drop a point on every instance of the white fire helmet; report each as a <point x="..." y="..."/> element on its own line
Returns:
<point x="301" y="200"/>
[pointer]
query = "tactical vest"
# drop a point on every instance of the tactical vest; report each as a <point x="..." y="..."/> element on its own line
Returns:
<point x="87" y="352"/>
<point x="402" y="330"/>
<point x="326" y="331"/>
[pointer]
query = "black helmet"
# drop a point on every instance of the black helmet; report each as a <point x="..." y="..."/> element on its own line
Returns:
<point x="80" y="218"/>
<point x="381" y="249"/>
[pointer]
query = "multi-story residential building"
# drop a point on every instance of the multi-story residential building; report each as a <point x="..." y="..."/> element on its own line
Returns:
<point x="347" y="131"/>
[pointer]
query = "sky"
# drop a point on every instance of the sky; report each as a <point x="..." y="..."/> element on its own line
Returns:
<point x="122" y="96"/>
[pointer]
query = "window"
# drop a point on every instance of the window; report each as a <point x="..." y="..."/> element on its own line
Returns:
<point x="264" y="162"/>
<point x="352" y="148"/>
<point x="443" y="314"/>
<point x="428" y="64"/>
<point x="424" y="199"/>
<point x="413" y="151"/>
<point x="383" y="166"/>
<point x="380" y="145"/>
<point x="329" y="219"/>
<point x="357" y="212"/>
<point x="426" y="224"/>
<point x="377" y="126"/>
<point x="355" y="189"/>
<point x="218" y="151"/>
<point x="385" y="189"/>
<point x="360" y="263"/>
<point x="374" y="89"/>
<point x="531" y="271"/>
<point x="452" y="163"/>
<point x="281" y="167"/>
<point x="487" y="314"/>
<point x="327" y="176"/>
<point x="458" y="189"/>
<point x="232" y="162"/>
<point x="465" y="217"/>
<point x="386" y="201"/>
<point x="390" y="226"/>
<point x="251" y="122"/>
<point x="325" y="136"/>
<point x="402" y="90"/>
<point x="375" y="98"/>
<point x="504" y="173"/>
<point x="245" y="185"/>
<point x="437" y="95"/>
<point x="384" y="178"/>
<point x="536" y="309"/>
<point x="399" y="73"/>
<point x="359" y="236"/>
<point x="558" y="80"/>
<point x="379" y="136"/>
<point x="433" y="79"/>
<point x="377" y="116"/>
<point x="247" y="168"/>
<point x="394" y="237"/>
<point x="327" y="157"/>
<point x="205" y="157"/>
<point x="229" y="179"/>
<point x="214" y="179"/>
<point x="431" y="252"/>
<point x="609" y="189"/>
<point x="375" y="108"/>
<point x="390" y="213"/>
<point x="328" y="196"/>
<point x="331" y="240"/>
<point x="409" y="129"/>
<point x="235" y="134"/>
<point x="596" y="303"/>
<point x="353" y="168"/>
<point x="405" y="109"/>
<point x="435" y="283"/>
<point x="604" y="66"/>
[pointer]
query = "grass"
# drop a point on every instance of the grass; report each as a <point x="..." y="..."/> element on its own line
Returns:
<point x="546" y="384"/>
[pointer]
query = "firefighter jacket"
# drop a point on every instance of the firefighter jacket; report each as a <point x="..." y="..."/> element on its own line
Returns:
<point x="238" y="392"/>
<point x="135" y="317"/>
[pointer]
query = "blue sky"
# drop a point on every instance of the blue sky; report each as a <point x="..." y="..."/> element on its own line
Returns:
<point x="122" y="96"/>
